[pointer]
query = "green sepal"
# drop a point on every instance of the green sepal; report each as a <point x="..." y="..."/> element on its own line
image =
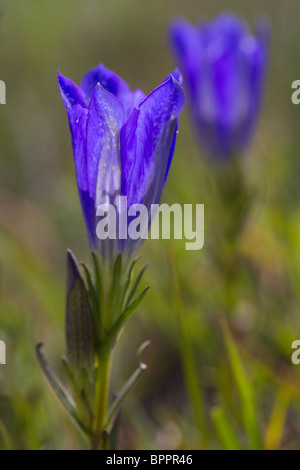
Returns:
<point x="120" y="322"/>
<point x="129" y="280"/>
<point x="114" y="291"/>
<point x="97" y="276"/>
<point x="135" y="285"/>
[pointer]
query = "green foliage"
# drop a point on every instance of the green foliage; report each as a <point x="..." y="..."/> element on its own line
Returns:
<point x="91" y="335"/>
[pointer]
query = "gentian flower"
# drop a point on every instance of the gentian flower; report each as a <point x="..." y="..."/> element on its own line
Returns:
<point x="123" y="143"/>
<point x="224" y="68"/>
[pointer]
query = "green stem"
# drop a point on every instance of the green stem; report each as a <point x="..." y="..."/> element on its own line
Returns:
<point x="101" y="396"/>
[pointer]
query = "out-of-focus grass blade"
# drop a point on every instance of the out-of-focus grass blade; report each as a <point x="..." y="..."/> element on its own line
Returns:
<point x="190" y="369"/>
<point x="275" y="427"/>
<point x="224" y="430"/>
<point x="5" y="437"/>
<point x="245" y="390"/>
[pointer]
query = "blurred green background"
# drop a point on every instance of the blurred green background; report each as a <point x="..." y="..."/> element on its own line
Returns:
<point x="40" y="217"/>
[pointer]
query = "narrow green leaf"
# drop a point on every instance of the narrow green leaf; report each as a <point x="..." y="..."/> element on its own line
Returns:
<point x="129" y="280"/>
<point x="58" y="388"/>
<point x="136" y="284"/>
<point x="126" y="389"/>
<point x="119" y="323"/>
<point x="274" y="431"/>
<point x="97" y="272"/>
<point x="81" y="391"/>
<point x="114" y="293"/>
<point x="114" y="428"/>
<point x="224" y="430"/>
<point x="245" y="389"/>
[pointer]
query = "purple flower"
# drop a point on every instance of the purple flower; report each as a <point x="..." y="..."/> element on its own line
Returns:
<point x="224" y="68"/>
<point x="123" y="142"/>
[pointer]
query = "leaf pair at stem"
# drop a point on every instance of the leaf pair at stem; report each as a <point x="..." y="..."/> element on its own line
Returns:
<point x="98" y="304"/>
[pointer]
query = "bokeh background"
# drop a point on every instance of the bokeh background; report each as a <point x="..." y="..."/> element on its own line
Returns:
<point x="40" y="217"/>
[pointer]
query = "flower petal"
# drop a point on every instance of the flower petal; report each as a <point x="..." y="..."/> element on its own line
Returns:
<point x="224" y="68"/>
<point x="115" y="85"/>
<point x="255" y="51"/>
<point x="107" y="79"/>
<point x="187" y="48"/>
<point x="78" y="118"/>
<point x="95" y="140"/>
<point x="172" y="150"/>
<point x="103" y="165"/>
<point x="146" y="143"/>
<point x="106" y="117"/>
<point x="71" y="94"/>
<point x="227" y="30"/>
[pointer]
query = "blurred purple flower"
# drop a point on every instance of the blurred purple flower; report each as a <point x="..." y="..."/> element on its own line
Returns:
<point x="224" y="68"/>
<point x="123" y="142"/>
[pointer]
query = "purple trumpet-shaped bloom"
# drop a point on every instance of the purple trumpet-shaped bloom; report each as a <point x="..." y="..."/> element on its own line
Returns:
<point x="224" y="69"/>
<point x="123" y="143"/>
